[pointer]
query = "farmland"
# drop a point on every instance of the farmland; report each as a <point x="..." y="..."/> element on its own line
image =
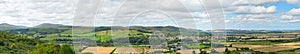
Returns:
<point x="162" y="39"/>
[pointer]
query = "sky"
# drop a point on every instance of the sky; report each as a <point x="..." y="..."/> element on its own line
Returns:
<point x="237" y="14"/>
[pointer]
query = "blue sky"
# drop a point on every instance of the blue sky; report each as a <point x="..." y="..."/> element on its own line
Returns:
<point x="283" y="6"/>
<point x="239" y="14"/>
<point x="276" y="22"/>
<point x="280" y="7"/>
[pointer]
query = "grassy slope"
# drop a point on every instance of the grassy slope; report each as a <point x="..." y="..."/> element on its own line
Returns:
<point x="198" y="47"/>
<point x="103" y="36"/>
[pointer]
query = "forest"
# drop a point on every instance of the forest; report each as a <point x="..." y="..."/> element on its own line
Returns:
<point x="18" y="44"/>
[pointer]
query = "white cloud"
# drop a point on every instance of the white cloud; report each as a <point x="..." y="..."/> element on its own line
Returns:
<point x="294" y="12"/>
<point x="251" y="12"/>
<point x="296" y="2"/>
<point x="183" y="11"/>
<point x="34" y="12"/>
<point x="255" y="10"/>
<point x="252" y="18"/>
<point x="254" y="2"/>
<point x="292" y="16"/>
<point x="287" y="17"/>
<point x="291" y="21"/>
<point x="261" y="16"/>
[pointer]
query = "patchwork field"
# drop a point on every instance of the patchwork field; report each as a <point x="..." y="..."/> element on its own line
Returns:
<point x="276" y="48"/>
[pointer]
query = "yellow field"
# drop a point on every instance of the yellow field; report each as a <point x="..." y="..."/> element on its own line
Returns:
<point x="129" y="50"/>
<point x="106" y="50"/>
<point x="276" y="48"/>
<point x="189" y="51"/>
<point x="280" y="38"/>
<point x="250" y="46"/>
<point x="99" y="50"/>
<point x="289" y="44"/>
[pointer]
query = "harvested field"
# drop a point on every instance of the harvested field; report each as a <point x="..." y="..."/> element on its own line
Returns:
<point x="280" y="38"/>
<point x="188" y="51"/>
<point x="93" y="50"/>
<point x="221" y="49"/>
<point x="129" y="50"/>
<point x="289" y="44"/>
<point x="99" y="50"/>
<point x="256" y="39"/>
<point x="106" y="50"/>
<point x="250" y="46"/>
<point x="276" y="48"/>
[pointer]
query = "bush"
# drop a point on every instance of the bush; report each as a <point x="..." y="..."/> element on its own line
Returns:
<point x="52" y="49"/>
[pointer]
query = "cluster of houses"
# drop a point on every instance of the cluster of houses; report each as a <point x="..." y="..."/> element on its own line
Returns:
<point x="262" y="37"/>
<point x="127" y="50"/>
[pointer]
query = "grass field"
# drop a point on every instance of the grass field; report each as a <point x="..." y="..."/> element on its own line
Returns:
<point x="102" y="36"/>
<point x="256" y="43"/>
<point x="49" y="39"/>
<point x="198" y="47"/>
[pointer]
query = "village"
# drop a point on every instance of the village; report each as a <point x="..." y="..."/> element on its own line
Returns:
<point x="246" y="43"/>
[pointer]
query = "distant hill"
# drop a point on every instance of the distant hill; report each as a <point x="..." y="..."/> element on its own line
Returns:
<point x="49" y="25"/>
<point x="48" y="28"/>
<point x="234" y="31"/>
<point x="171" y="30"/>
<point x="45" y="28"/>
<point x="5" y="26"/>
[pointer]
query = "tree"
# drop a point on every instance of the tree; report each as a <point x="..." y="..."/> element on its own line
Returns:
<point x="15" y="44"/>
<point x="66" y="49"/>
<point x="226" y="50"/>
<point x="230" y="45"/>
<point x="203" y="52"/>
<point x="194" y="52"/>
<point x="52" y="49"/>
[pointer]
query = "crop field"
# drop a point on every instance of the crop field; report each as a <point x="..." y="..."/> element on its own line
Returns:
<point x="256" y="43"/>
<point x="250" y="46"/>
<point x="99" y="50"/>
<point x="106" y="50"/>
<point x="276" y="48"/>
<point x="129" y="50"/>
<point x="290" y="44"/>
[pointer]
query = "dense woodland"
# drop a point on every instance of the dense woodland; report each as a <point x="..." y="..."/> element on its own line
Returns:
<point x="17" y="44"/>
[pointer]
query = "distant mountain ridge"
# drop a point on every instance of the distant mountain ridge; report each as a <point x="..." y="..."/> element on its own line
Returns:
<point x="5" y="26"/>
<point x="48" y="28"/>
<point x="50" y="25"/>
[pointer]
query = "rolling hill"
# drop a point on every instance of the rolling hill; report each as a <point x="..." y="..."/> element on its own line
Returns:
<point x="5" y="26"/>
<point x="48" y="28"/>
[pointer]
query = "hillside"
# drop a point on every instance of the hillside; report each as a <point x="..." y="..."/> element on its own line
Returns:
<point x="14" y="44"/>
<point x="5" y="26"/>
<point x="48" y="28"/>
<point x="49" y="25"/>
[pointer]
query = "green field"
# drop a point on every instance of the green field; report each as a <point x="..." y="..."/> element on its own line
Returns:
<point x="102" y="36"/>
<point x="256" y="43"/>
<point x="198" y="47"/>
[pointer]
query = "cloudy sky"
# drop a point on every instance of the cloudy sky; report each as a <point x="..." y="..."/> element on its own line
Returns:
<point x="237" y="14"/>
